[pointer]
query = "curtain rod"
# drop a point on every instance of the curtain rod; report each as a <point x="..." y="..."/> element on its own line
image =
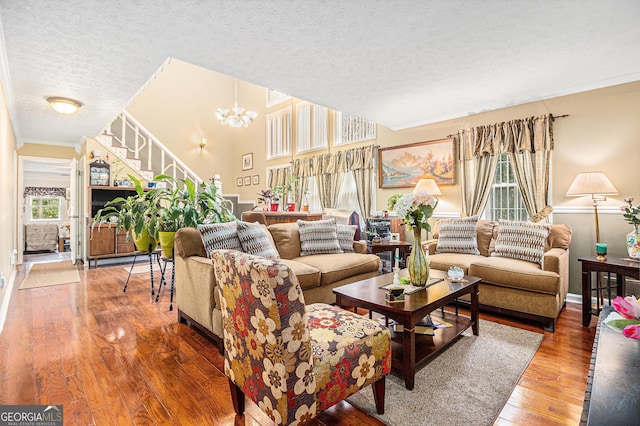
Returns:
<point x="553" y="117"/>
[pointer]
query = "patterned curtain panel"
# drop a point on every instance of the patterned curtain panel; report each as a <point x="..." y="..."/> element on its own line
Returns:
<point x="41" y="191"/>
<point x="361" y="162"/>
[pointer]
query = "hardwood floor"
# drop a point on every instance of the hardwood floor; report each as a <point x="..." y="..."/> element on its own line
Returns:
<point x="120" y="358"/>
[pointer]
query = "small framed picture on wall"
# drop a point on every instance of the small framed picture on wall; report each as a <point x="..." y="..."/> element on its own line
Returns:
<point x="239" y="181"/>
<point x="256" y="179"/>
<point x="247" y="161"/>
<point x="247" y="180"/>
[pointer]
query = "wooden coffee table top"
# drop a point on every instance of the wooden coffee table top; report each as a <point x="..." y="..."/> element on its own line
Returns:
<point x="369" y="291"/>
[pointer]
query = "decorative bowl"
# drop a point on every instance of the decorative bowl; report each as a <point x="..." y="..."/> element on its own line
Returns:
<point x="455" y="273"/>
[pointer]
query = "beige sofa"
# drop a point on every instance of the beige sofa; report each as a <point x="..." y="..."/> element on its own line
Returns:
<point x="513" y="286"/>
<point x="197" y="300"/>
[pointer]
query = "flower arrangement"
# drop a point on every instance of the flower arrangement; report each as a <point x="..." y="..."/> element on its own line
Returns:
<point x="415" y="208"/>
<point x="631" y="213"/>
<point x="628" y="318"/>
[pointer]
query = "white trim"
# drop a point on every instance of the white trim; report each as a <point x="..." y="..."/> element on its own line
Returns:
<point x="586" y="210"/>
<point x="5" y="303"/>
<point x="274" y="97"/>
<point x="574" y="298"/>
<point x="515" y="102"/>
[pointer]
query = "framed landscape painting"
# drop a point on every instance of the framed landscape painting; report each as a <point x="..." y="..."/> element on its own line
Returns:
<point x="404" y="165"/>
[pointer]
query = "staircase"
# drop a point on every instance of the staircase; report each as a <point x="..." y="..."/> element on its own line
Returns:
<point x="137" y="147"/>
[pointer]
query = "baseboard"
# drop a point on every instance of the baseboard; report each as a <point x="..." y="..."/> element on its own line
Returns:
<point x="574" y="298"/>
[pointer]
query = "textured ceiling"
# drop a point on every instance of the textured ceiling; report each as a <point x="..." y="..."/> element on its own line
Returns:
<point x="399" y="63"/>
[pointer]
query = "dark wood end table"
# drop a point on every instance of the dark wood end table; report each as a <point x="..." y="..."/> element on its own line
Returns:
<point x="614" y="265"/>
<point x="410" y="349"/>
<point x="403" y="247"/>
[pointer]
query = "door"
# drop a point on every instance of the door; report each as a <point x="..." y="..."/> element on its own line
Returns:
<point x="74" y="210"/>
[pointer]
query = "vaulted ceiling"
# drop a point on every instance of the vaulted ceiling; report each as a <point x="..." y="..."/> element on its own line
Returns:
<point x="400" y="63"/>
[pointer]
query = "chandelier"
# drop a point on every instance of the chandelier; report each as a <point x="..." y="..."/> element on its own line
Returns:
<point x="237" y="116"/>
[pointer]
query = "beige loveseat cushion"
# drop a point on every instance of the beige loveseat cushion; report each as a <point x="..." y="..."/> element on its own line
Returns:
<point x="308" y="276"/>
<point x="515" y="273"/>
<point x="286" y="238"/>
<point x="444" y="261"/>
<point x="335" y="267"/>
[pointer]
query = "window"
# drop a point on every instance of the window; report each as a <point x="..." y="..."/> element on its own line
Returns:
<point x="351" y="129"/>
<point x="505" y="201"/>
<point x="348" y="197"/>
<point x="311" y="129"/>
<point x="274" y="97"/>
<point x="279" y="134"/>
<point x="45" y="208"/>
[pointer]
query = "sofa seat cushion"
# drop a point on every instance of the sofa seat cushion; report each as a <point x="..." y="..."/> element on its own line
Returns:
<point x="308" y="276"/>
<point x="444" y="261"/>
<point x="335" y="267"/>
<point x="515" y="273"/>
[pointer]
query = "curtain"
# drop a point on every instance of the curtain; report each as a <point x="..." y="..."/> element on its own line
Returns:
<point x="478" y="159"/>
<point x="323" y="182"/>
<point x="529" y="145"/>
<point x="336" y="168"/>
<point x="41" y="191"/>
<point x="361" y="162"/>
<point x="527" y="142"/>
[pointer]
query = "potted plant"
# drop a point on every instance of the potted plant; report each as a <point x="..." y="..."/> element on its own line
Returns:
<point x="181" y="204"/>
<point x="134" y="214"/>
<point x="265" y="196"/>
<point x="291" y="188"/>
<point x="278" y="193"/>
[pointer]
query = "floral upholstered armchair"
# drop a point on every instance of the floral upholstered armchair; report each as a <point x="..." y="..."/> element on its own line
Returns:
<point x="292" y="360"/>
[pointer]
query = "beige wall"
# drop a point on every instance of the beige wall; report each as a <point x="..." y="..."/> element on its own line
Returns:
<point x="8" y="184"/>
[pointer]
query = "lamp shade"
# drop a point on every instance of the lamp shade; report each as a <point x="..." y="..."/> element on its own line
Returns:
<point x="427" y="185"/>
<point x="591" y="183"/>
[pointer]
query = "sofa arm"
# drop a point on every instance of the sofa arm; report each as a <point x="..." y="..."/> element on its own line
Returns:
<point x="430" y="245"/>
<point x="360" y="247"/>
<point x="556" y="260"/>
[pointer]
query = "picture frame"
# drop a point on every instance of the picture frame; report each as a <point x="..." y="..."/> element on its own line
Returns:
<point x="403" y="166"/>
<point x="256" y="180"/>
<point x="394" y="237"/>
<point x="247" y="162"/>
<point x="247" y="180"/>
<point x="239" y="181"/>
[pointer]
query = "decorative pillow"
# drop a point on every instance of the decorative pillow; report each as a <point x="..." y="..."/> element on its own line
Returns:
<point x="216" y="236"/>
<point x="254" y="240"/>
<point x="458" y="235"/>
<point x="522" y="240"/>
<point x="346" y="234"/>
<point x="318" y="237"/>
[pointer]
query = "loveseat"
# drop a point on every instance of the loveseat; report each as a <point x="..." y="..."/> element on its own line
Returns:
<point x="198" y="300"/>
<point x="512" y="282"/>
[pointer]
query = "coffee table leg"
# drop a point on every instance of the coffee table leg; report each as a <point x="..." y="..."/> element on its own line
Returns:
<point x="475" y="307"/>
<point x="409" y="356"/>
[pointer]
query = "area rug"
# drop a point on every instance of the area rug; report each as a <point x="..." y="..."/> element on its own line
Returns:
<point x="49" y="274"/>
<point x="467" y="384"/>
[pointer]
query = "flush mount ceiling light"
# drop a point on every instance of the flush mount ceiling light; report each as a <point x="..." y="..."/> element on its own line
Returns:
<point x="239" y="118"/>
<point x="64" y="105"/>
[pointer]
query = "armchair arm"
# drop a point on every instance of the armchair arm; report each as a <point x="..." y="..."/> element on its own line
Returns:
<point x="430" y="245"/>
<point x="557" y="260"/>
<point x="360" y="247"/>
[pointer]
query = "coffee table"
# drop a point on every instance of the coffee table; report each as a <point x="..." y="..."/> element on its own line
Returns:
<point x="411" y="349"/>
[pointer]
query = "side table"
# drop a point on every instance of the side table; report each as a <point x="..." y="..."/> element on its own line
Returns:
<point x="403" y="247"/>
<point x="618" y="265"/>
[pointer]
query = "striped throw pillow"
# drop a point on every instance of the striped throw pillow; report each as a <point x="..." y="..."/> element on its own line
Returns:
<point x="522" y="240"/>
<point x="318" y="237"/>
<point x="345" y="237"/>
<point x="216" y="236"/>
<point x="458" y="235"/>
<point x="254" y="240"/>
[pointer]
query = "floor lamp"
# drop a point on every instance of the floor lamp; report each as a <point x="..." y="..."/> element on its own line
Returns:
<point x="596" y="185"/>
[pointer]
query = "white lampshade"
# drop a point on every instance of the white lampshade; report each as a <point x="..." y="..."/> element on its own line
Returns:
<point x="591" y="183"/>
<point x="427" y="185"/>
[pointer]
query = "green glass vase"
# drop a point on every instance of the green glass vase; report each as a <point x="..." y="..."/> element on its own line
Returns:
<point x="417" y="263"/>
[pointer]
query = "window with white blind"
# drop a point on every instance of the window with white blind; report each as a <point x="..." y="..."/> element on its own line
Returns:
<point x="279" y="133"/>
<point x="274" y="97"/>
<point x="351" y="129"/>
<point x="505" y="201"/>
<point x="312" y="123"/>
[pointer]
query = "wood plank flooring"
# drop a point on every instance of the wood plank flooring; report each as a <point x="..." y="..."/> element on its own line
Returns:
<point x="120" y="358"/>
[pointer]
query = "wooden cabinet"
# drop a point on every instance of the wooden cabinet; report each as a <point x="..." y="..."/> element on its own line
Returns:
<point x="104" y="240"/>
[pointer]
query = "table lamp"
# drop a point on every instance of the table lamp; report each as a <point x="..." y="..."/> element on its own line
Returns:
<point x="427" y="185"/>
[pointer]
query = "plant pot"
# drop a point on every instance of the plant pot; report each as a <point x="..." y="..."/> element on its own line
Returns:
<point x="291" y="207"/>
<point x="144" y="241"/>
<point x="166" y="242"/>
<point x="274" y="207"/>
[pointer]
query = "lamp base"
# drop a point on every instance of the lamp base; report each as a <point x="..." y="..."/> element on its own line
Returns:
<point x="601" y="257"/>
